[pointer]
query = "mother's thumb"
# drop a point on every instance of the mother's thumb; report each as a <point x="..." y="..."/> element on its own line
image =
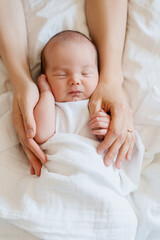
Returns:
<point x="29" y="122"/>
<point x="94" y="106"/>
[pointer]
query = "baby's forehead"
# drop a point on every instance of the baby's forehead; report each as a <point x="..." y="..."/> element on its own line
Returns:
<point x="76" y="42"/>
<point x="69" y="37"/>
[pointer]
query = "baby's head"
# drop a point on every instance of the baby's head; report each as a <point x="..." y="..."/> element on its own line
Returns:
<point x="70" y="62"/>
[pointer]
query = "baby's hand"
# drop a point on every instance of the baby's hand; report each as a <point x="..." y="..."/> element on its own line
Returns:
<point x="99" y="124"/>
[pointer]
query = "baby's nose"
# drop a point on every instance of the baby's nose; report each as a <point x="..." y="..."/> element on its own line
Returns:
<point x="75" y="83"/>
<point x="75" y="80"/>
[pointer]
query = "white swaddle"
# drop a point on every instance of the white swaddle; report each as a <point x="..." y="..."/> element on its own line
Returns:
<point x="76" y="195"/>
<point x="72" y="118"/>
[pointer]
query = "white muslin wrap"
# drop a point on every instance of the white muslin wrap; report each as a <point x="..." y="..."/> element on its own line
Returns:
<point x="76" y="195"/>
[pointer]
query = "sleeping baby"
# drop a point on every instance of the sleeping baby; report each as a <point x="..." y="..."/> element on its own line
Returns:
<point x="65" y="130"/>
<point x="69" y="64"/>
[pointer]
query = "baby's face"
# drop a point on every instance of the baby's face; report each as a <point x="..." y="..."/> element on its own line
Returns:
<point x="71" y="71"/>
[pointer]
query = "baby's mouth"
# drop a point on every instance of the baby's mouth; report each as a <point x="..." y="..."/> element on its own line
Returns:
<point x="75" y="92"/>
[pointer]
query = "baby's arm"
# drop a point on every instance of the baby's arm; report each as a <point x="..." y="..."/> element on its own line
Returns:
<point x="99" y="124"/>
<point x="44" y="112"/>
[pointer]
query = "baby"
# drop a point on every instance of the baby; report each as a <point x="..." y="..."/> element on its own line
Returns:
<point x="69" y="64"/>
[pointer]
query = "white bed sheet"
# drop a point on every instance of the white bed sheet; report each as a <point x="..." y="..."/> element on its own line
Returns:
<point x="141" y="63"/>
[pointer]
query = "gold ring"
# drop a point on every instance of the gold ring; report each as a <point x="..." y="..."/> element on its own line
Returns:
<point x="130" y="131"/>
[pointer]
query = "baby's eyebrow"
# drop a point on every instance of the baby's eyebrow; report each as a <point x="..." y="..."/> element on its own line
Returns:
<point x="88" y="67"/>
<point x="57" y="68"/>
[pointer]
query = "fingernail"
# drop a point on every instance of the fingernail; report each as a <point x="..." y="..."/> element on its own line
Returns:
<point x="38" y="172"/>
<point x="44" y="159"/>
<point x="108" y="162"/>
<point x="119" y="165"/>
<point x="100" y="151"/>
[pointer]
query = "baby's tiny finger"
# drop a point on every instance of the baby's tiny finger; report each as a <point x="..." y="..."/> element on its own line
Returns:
<point x="102" y="132"/>
<point x="99" y="120"/>
<point x="100" y="114"/>
<point x="98" y="125"/>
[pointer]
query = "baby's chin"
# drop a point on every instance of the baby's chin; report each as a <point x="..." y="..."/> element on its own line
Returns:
<point x="76" y="98"/>
<point x="72" y="99"/>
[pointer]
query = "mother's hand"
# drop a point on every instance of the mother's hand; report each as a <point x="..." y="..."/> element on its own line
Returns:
<point x="25" y="99"/>
<point x="120" y="136"/>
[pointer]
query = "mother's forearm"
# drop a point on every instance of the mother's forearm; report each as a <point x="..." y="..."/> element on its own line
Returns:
<point x="107" y="24"/>
<point x="13" y="41"/>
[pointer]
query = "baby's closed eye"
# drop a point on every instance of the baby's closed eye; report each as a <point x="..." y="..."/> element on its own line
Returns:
<point x="60" y="74"/>
<point x="86" y="74"/>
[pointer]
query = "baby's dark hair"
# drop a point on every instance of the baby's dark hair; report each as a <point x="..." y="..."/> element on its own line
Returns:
<point x="65" y="36"/>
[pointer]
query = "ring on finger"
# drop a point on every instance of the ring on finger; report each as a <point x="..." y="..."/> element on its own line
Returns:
<point x="130" y="131"/>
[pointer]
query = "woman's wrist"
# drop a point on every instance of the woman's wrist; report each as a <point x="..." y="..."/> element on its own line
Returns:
<point x="113" y="78"/>
<point x="22" y="83"/>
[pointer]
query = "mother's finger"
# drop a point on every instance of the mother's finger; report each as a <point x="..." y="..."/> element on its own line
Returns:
<point x="121" y="145"/>
<point x="113" y="150"/>
<point x="129" y="153"/>
<point x="127" y="147"/>
<point x="32" y="171"/>
<point x="35" y="164"/>
<point x="35" y="149"/>
<point x="124" y="150"/>
<point x="114" y="130"/>
<point x="122" y="153"/>
<point x="28" y="120"/>
<point x="27" y="142"/>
